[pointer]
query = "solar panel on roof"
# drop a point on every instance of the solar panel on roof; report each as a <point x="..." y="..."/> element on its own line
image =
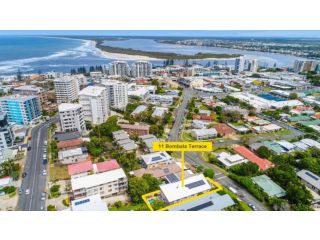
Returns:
<point x="312" y="176"/>
<point x="157" y="158"/>
<point x="195" y="184"/>
<point x="166" y="170"/>
<point x="162" y="154"/>
<point x="201" y="206"/>
<point x="172" y="178"/>
<point x="82" y="202"/>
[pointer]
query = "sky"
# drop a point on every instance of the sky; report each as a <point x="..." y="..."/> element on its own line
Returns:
<point x="182" y="33"/>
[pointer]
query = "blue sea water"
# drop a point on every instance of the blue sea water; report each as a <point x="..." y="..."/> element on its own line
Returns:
<point x="32" y="54"/>
<point x="264" y="58"/>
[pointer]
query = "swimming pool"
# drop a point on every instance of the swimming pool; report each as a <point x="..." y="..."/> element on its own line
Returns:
<point x="271" y="97"/>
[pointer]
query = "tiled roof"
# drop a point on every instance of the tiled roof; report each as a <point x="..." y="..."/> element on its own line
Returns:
<point x="80" y="167"/>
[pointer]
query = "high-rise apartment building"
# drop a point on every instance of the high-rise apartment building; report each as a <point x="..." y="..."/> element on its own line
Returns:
<point x="94" y="100"/>
<point x="141" y="69"/>
<point x="120" y="68"/>
<point x="253" y="65"/>
<point x="304" y="66"/>
<point x="117" y="93"/>
<point x="6" y="135"/>
<point x="20" y="109"/>
<point x="67" y="89"/>
<point x="71" y="117"/>
<point x="239" y="65"/>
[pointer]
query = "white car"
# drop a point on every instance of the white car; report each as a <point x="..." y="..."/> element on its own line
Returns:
<point x="27" y="191"/>
<point x="43" y="196"/>
<point x="44" y="172"/>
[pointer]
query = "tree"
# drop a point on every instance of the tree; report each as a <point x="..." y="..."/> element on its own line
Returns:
<point x="158" y="204"/>
<point x="212" y="158"/>
<point x="264" y="152"/>
<point x="128" y="161"/>
<point x="245" y="139"/>
<point x="136" y="188"/>
<point x="293" y="95"/>
<point x="95" y="146"/>
<point x="245" y="169"/>
<point x="51" y="208"/>
<point x="105" y="129"/>
<point x="297" y="194"/>
<point x="152" y="182"/>
<point x="208" y="172"/>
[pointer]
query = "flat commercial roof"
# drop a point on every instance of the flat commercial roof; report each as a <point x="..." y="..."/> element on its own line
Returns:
<point x="193" y="185"/>
<point x="97" y="179"/>
<point x="269" y="186"/>
<point x="212" y="202"/>
<point x="263" y="164"/>
<point x="68" y="107"/>
<point x="91" y="203"/>
<point x="93" y="91"/>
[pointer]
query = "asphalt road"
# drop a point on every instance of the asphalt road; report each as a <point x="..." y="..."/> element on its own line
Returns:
<point x="195" y="159"/>
<point x="35" y="181"/>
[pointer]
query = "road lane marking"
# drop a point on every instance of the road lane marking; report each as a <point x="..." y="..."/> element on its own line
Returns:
<point x="34" y="168"/>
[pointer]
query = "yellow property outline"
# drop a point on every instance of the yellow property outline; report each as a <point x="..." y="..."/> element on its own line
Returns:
<point x="145" y="196"/>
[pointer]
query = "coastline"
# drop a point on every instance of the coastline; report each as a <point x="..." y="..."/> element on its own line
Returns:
<point x="141" y="57"/>
<point x="121" y="56"/>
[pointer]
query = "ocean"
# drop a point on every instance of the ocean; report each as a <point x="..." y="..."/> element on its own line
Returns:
<point x="33" y="54"/>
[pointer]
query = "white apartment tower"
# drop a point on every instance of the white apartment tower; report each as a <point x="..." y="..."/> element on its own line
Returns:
<point x="94" y="100"/>
<point x="120" y="68"/>
<point x="141" y="69"/>
<point x="239" y="65"/>
<point x="117" y="93"/>
<point x="253" y="65"/>
<point x="71" y="117"/>
<point x="67" y="89"/>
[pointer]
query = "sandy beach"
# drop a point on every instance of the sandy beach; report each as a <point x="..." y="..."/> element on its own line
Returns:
<point x="127" y="57"/>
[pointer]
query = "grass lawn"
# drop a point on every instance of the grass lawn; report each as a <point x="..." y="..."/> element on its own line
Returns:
<point x="279" y="133"/>
<point x="58" y="172"/>
<point x="186" y="137"/>
<point x="131" y="207"/>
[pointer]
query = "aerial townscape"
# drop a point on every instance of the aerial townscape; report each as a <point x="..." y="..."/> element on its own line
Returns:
<point x="78" y="133"/>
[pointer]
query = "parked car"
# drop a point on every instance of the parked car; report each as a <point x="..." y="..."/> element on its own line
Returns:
<point x="27" y="191"/>
<point x="24" y="174"/>
<point x="43" y="196"/>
